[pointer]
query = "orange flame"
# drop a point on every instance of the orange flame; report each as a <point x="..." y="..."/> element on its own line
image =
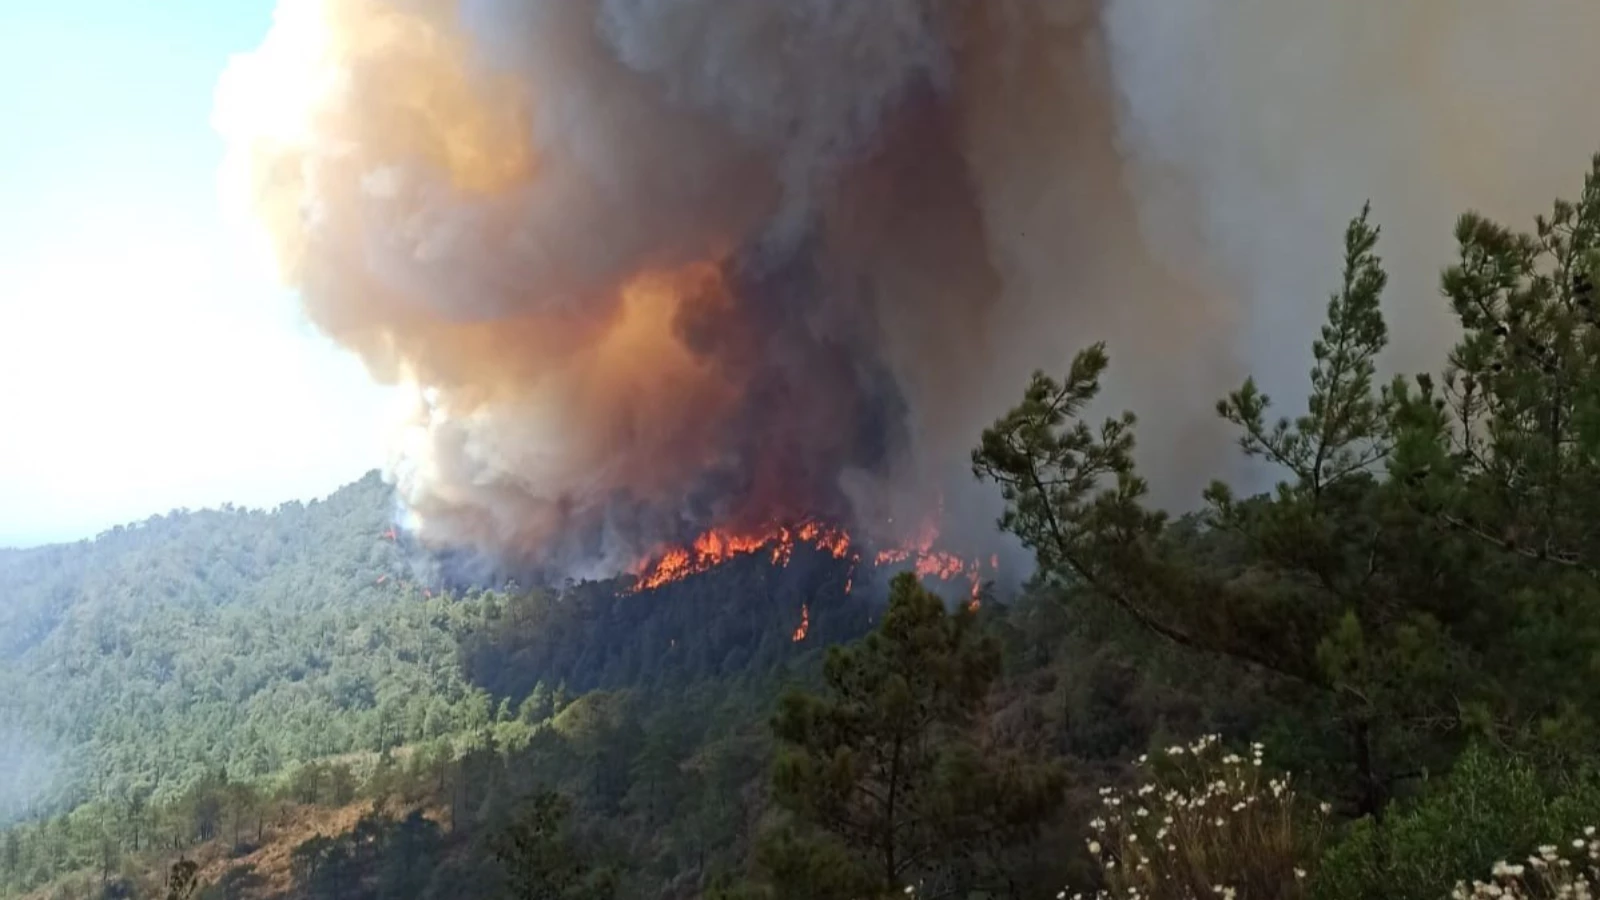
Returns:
<point x="717" y="546"/>
<point x="805" y="624"/>
<point x="943" y="565"/>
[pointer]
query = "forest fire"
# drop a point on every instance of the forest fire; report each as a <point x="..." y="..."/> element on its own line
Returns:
<point x="717" y="546"/>
<point x="778" y="542"/>
<point x="805" y="624"/>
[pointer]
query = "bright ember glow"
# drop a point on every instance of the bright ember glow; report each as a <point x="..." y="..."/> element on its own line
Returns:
<point x="717" y="546"/>
<point x="929" y="562"/>
<point x="805" y="623"/>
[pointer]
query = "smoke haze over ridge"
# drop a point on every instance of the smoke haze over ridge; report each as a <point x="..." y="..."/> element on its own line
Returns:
<point x="657" y="265"/>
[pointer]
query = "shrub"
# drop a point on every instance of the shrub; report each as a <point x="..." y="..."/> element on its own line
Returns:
<point x="1204" y="823"/>
<point x="1488" y="807"/>
<point x="1571" y="872"/>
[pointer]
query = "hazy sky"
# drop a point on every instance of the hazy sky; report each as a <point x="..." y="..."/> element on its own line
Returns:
<point x="143" y="365"/>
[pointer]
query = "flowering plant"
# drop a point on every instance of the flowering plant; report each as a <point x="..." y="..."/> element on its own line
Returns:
<point x="1571" y="872"/>
<point x="1204" y="823"/>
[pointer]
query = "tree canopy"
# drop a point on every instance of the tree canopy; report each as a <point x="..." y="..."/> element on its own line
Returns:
<point x="245" y="704"/>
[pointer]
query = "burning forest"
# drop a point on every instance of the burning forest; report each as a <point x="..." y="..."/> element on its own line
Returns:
<point x="777" y="543"/>
<point x="670" y="281"/>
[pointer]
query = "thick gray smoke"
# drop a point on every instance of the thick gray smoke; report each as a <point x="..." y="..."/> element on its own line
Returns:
<point x="1279" y="117"/>
<point x="655" y="266"/>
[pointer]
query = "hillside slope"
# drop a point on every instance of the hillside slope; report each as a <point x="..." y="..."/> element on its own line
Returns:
<point x="207" y="638"/>
<point x="230" y="646"/>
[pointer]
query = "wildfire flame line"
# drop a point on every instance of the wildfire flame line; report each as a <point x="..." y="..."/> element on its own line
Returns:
<point x="718" y="546"/>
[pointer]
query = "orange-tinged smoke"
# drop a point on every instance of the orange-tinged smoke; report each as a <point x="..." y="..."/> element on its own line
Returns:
<point x="656" y="269"/>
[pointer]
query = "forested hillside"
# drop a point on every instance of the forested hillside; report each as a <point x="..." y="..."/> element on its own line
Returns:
<point x="234" y="638"/>
<point x="1374" y="681"/>
<point x="237" y="646"/>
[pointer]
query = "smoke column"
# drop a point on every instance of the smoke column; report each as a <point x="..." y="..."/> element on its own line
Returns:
<point x="657" y="265"/>
<point x="1281" y="117"/>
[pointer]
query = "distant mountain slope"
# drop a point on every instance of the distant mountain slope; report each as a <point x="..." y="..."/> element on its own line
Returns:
<point x="211" y="557"/>
<point x="250" y="640"/>
<point x="230" y="637"/>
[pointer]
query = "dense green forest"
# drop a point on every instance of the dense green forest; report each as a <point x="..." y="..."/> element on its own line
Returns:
<point x="1375" y="680"/>
<point x="230" y="652"/>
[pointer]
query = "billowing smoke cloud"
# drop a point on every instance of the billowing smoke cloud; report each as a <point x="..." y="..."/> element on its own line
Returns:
<point x="1279" y="117"/>
<point x="657" y="265"/>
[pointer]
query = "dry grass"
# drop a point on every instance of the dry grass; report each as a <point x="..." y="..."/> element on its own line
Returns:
<point x="1203" y="824"/>
<point x="1571" y="873"/>
<point x="271" y="861"/>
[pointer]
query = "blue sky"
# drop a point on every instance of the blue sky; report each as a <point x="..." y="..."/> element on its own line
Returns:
<point x="143" y="365"/>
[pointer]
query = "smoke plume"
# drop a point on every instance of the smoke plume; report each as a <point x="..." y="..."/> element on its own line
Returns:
<point x="27" y="774"/>
<point x="657" y="265"/>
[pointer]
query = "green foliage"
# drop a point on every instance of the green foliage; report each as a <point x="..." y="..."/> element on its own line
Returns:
<point x="541" y="860"/>
<point x="884" y="773"/>
<point x="1345" y="429"/>
<point x="1410" y="617"/>
<point x="1490" y="808"/>
<point x="1416" y="577"/>
<point x="195" y="677"/>
<point x="229" y="640"/>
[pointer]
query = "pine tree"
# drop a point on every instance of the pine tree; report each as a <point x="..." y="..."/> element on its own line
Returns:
<point x="1420" y="574"/>
<point x="540" y="859"/>
<point x="1506" y="456"/>
<point x="879" y="772"/>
